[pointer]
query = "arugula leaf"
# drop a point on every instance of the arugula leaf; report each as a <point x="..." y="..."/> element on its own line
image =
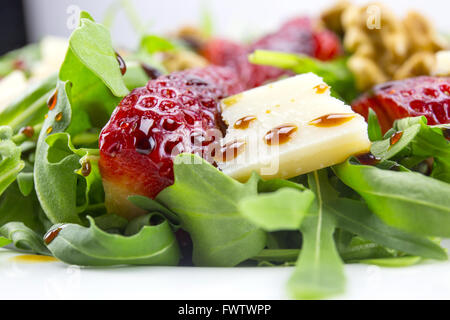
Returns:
<point x="206" y="201"/>
<point x="281" y="210"/>
<point x="374" y="127"/>
<point x="23" y="237"/>
<point x="277" y="255"/>
<point x="15" y="207"/>
<point x="272" y="185"/>
<point x="25" y="180"/>
<point x="356" y="217"/>
<point x="31" y="107"/>
<point x="441" y="170"/>
<point x="10" y="162"/>
<point x="54" y="172"/>
<point x="90" y="49"/>
<point x="405" y="200"/>
<point x="418" y="142"/>
<point x="151" y="205"/>
<point x="89" y="87"/>
<point x="135" y="76"/>
<point x="151" y="245"/>
<point x="360" y="249"/>
<point x="319" y="271"/>
<point x="152" y="44"/>
<point x="334" y="73"/>
<point x="4" y="242"/>
<point x="395" y="262"/>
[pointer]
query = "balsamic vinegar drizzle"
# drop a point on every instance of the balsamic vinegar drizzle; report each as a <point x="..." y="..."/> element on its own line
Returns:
<point x="231" y="150"/>
<point x="395" y="137"/>
<point x="244" y="122"/>
<point x="122" y="65"/>
<point x="280" y="134"/>
<point x="51" y="103"/>
<point x="52" y="234"/>
<point x="332" y="120"/>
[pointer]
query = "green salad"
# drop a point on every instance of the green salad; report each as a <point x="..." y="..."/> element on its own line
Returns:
<point x="68" y="190"/>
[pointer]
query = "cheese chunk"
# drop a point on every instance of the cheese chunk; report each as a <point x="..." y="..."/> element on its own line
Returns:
<point x="288" y="128"/>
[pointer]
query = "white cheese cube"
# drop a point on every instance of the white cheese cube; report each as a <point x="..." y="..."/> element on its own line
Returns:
<point x="287" y="128"/>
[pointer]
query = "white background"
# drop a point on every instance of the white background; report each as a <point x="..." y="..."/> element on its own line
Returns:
<point x="235" y="18"/>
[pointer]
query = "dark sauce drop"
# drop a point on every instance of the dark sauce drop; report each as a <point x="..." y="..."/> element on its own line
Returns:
<point x="368" y="159"/>
<point x="446" y="132"/>
<point x="280" y="134"/>
<point x="59" y="117"/>
<point x="122" y="65"/>
<point x="51" y="103"/>
<point x="86" y="168"/>
<point x="231" y="150"/>
<point x="27" y="131"/>
<point x="52" y="234"/>
<point x="244" y="122"/>
<point x="151" y="72"/>
<point x="395" y="137"/>
<point x="332" y="119"/>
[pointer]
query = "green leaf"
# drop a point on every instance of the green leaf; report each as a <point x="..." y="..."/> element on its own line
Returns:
<point x="91" y="45"/>
<point x="277" y="255"/>
<point x="31" y="107"/>
<point x="334" y="73"/>
<point x="374" y="128"/>
<point x="15" y="207"/>
<point x="206" y="201"/>
<point x="152" y="44"/>
<point x="272" y="185"/>
<point x="441" y="170"/>
<point x="418" y="140"/>
<point x="405" y="200"/>
<point x="25" y="180"/>
<point x="135" y="76"/>
<point x="392" y="262"/>
<point x="360" y="249"/>
<point x="111" y="222"/>
<point x="10" y="162"/>
<point x="356" y="217"/>
<point x="23" y="237"/>
<point x="281" y="210"/>
<point x="151" y="205"/>
<point x="319" y="272"/>
<point x="4" y="242"/>
<point x="55" y="165"/>
<point x="152" y="245"/>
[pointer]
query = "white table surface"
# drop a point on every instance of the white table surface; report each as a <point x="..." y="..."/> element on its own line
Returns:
<point x="20" y="279"/>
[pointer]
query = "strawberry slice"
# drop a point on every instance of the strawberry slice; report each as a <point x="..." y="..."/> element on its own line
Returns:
<point x="421" y="96"/>
<point x="172" y="114"/>
<point x="295" y="36"/>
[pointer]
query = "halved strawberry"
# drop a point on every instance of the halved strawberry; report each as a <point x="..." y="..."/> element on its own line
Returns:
<point x="153" y="124"/>
<point x="421" y="96"/>
<point x="298" y="35"/>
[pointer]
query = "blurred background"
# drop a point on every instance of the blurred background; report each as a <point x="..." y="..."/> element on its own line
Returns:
<point x="24" y="21"/>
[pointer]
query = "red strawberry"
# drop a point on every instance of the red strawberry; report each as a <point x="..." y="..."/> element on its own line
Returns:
<point x="227" y="53"/>
<point x="327" y="45"/>
<point x="152" y="124"/>
<point x="421" y="96"/>
<point x="296" y="36"/>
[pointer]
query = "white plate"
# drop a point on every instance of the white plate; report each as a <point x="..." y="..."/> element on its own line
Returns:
<point x="55" y="280"/>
